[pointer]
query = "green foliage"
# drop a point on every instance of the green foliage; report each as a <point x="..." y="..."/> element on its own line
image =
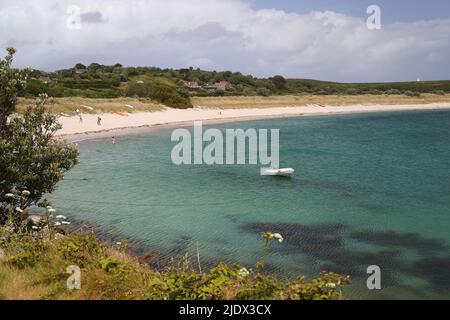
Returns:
<point x="393" y="91"/>
<point x="102" y="81"/>
<point x="24" y="251"/>
<point x="263" y="92"/>
<point x="29" y="156"/>
<point x="166" y="94"/>
<point x="30" y="159"/>
<point x="220" y="283"/>
<point x="352" y="91"/>
<point x="279" y="82"/>
<point x="326" y="287"/>
<point x="80" y="249"/>
<point x="232" y="282"/>
<point x="111" y="274"/>
<point x="11" y="82"/>
<point x="410" y="93"/>
<point x="110" y="264"/>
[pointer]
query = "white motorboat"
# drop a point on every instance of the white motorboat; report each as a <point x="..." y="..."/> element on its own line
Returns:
<point x="285" y="172"/>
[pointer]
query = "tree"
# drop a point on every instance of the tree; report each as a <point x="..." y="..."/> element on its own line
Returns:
<point x="80" y="66"/>
<point x="11" y="82"/>
<point x="279" y="82"/>
<point x="31" y="158"/>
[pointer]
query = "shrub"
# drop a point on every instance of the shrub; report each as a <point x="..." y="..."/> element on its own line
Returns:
<point x="165" y="94"/>
<point x="393" y="91"/>
<point x="279" y="82"/>
<point x="24" y="251"/>
<point x="80" y="249"/>
<point x="263" y="92"/>
<point x="410" y="93"/>
<point x="111" y="274"/>
<point x="352" y="91"/>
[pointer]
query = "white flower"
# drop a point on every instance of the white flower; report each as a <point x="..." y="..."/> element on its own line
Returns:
<point x="60" y="216"/>
<point x="35" y="228"/>
<point x="244" y="272"/>
<point x="26" y="193"/>
<point x="19" y="210"/>
<point x="9" y="195"/>
<point x="65" y="222"/>
<point x="278" y="237"/>
<point x="119" y="243"/>
<point x="331" y="285"/>
<point x="57" y="224"/>
<point x="51" y="210"/>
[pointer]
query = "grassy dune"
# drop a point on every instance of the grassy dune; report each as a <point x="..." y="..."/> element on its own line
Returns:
<point x="69" y="105"/>
<point x="340" y="100"/>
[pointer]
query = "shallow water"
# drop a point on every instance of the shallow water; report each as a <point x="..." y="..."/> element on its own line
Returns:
<point x="370" y="189"/>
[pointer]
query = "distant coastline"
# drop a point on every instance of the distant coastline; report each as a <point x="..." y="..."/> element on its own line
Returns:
<point x="114" y="124"/>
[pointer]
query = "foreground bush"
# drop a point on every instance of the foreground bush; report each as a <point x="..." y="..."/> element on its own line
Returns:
<point x="31" y="268"/>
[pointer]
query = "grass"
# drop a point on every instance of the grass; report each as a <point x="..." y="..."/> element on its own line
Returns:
<point x="34" y="269"/>
<point x="302" y="100"/>
<point x="69" y="105"/>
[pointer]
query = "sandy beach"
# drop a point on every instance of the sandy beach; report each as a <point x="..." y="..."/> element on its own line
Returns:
<point x="73" y="129"/>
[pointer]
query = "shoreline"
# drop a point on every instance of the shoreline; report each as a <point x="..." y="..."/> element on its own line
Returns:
<point x="116" y="125"/>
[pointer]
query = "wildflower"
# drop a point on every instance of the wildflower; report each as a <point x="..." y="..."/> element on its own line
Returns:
<point x="26" y="193"/>
<point x="57" y="224"/>
<point x="61" y="217"/>
<point x="244" y="272"/>
<point x="51" y="210"/>
<point x="65" y="222"/>
<point x="119" y="243"/>
<point x="278" y="237"/>
<point x="9" y="195"/>
<point x="331" y="285"/>
<point x="19" y="210"/>
<point x="35" y="228"/>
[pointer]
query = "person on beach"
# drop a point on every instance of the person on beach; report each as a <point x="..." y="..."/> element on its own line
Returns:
<point x="99" y="121"/>
<point x="78" y="113"/>
<point x="113" y="140"/>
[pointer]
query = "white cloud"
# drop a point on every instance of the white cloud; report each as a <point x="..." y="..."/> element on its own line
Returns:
<point x="222" y="35"/>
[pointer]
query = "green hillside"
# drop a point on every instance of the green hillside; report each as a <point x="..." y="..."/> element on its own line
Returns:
<point x="168" y="86"/>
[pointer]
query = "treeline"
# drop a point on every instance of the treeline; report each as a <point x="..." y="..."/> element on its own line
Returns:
<point x="409" y="88"/>
<point x="169" y="86"/>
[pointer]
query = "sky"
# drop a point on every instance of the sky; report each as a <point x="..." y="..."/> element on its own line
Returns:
<point x="314" y="39"/>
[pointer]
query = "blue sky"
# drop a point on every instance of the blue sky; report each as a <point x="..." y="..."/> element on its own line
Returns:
<point x="393" y="10"/>
<point x="315" y="39"/>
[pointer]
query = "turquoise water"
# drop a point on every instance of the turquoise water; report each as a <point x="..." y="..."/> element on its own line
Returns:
<point x="370" y="189"/>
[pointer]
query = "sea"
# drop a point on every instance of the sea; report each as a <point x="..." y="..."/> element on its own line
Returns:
<point x="369" y="190"/>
